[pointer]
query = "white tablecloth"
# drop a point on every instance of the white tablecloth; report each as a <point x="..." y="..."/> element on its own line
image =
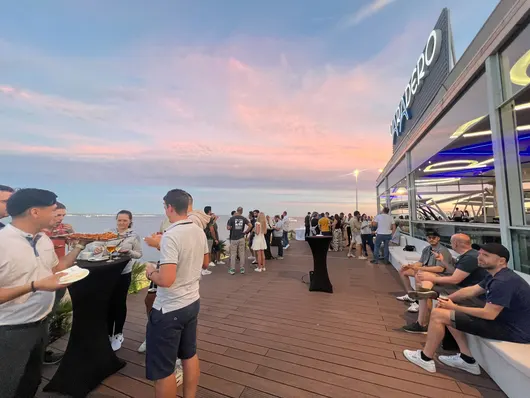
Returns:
<point x="300" y="233"/>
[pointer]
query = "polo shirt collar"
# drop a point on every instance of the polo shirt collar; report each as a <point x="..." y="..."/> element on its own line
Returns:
<point x="31" y="239"/>
<point x="185" y="221"/>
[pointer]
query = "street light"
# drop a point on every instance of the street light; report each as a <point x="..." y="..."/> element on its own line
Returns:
<point x="356" y="174"/>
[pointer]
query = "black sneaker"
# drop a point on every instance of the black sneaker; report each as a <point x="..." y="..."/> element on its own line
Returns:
<point x="52" y="358"/>
<point x="415" y="328"/>
<point x="423" y="295"/>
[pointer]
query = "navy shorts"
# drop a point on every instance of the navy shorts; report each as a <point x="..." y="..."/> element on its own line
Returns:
<point x="484" y="328"/>
<point x="170" y="336"/>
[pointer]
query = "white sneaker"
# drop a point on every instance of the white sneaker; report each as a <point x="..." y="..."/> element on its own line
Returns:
<point x="117" y="341"/>
<point x="251" y="257"/>
<point x="405" y="298"/>
<point x="142" y="347"/>
<point x="212" y="264"/>
<point x="455" y="361"/>
<point x="178" y="372"/>
<point x="257" y="269"/>
<point x="415" y="358"/>
<point x="363" y="258"/>
<point x="350" y="255"/>
<point x="221" y="263"/>
<point x="414" y="307"/>
<point x="286" y="247"/>
<point x="205" y="272"/>
<point x="263" y="269"/>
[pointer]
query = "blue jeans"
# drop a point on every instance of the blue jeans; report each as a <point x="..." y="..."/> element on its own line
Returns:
<point x="385" y="240"/>
<point x="285" y="240"/>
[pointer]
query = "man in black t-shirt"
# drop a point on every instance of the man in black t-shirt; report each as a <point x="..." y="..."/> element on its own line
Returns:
<point x="236" y="226"/>
<point x="5" y="194"/>
<point x="307" y="224"/>
<point x="505" y="317"/>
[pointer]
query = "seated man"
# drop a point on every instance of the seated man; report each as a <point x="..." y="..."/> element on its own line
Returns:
<point x="428" y="263"/>
<point x="505" y="317"/>
<point x="466" y="273"/>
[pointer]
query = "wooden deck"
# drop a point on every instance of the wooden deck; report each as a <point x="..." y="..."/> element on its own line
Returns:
<point x="265" y="335"/>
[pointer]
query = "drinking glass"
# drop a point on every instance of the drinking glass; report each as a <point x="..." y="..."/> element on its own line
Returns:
<point x="110" y="249"/>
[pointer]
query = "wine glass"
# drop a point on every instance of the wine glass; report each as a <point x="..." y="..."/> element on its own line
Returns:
<point x="111" y="248"/>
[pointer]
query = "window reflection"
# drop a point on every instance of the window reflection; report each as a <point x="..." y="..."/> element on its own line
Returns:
<point x="515" y="64"/>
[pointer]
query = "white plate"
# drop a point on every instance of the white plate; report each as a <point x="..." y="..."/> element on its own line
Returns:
<point x="94" y="259"/>
<point x="74" y="274"/>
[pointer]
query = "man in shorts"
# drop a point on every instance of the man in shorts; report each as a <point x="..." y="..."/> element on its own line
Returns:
<point x="172" y="324"/>
<point x="505" y="317"/>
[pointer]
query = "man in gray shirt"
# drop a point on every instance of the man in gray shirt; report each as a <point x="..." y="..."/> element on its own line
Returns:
<point x="236" y="225"/>
<point x="427" y="263"/>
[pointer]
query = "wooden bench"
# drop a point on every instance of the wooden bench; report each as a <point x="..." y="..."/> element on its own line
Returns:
<point x="508" y="364"/>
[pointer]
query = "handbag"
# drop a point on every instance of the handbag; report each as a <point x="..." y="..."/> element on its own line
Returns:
<point x="409" y="248"/>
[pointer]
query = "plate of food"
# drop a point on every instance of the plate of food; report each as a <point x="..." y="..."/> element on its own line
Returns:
<point x="94" y="259"/>
<point x="103" y="237"/>
<point x="73" y="274"/>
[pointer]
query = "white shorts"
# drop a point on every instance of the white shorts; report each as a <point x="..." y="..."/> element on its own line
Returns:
<point x="356" y="238"/>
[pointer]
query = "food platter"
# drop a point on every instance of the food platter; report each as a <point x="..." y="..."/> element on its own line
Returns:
<point x="103" y="237"/>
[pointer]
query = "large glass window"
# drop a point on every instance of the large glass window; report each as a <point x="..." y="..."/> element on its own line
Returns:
<point x="516" y="64"/>
<point x="479" y="234"/>
<point x="454" y="175"/>
<point x="399" y="172"/>
<point x="399" y="204"/>
<point x="521" y="250"/>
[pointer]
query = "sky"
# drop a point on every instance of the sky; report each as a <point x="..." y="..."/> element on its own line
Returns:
<point x="265" y="105"/>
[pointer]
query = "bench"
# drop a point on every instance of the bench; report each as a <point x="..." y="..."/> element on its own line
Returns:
<point x="508" y="364"/>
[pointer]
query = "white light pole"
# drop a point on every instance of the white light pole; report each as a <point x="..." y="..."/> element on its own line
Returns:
<point x="356" y="174"/>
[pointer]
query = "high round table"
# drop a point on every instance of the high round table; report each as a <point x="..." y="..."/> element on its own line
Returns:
<point x="89" y="358"/>
<point x="319" y="279"/>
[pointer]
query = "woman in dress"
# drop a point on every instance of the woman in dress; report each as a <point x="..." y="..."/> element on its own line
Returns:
<point x="338" y="243"/>
<point x="129" y="243"/>
<point x="259" y="244"/>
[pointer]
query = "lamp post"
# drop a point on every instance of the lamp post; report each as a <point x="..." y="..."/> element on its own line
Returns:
<point x="356" y="174"/>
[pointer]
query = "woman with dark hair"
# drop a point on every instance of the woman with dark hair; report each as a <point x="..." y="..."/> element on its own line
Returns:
<point x="367" y="237"/>
<point x="129" y="243"/>
<point x="338" y="242"/>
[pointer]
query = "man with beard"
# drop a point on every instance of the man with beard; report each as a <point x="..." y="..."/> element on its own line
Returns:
<point x="5" y="194"/>
<point x="505" y="317"/>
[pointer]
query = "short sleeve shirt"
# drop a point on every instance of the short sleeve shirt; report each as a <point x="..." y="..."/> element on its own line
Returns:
<point x="384" y="224"/>
<point x="428" y="259"/>
<point x="238" y="224"/>
<point x="183" y="244"/>
<point x="468" y="262"/>
<point x="23" y="259"/>
<point x="323" y="224"/>
<point x="510" y="291"/>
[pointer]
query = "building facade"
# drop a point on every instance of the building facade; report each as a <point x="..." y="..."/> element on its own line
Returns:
<point x="461" y="160"/>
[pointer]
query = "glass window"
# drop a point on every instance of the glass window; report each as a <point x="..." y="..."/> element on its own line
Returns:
<point x="399" y="172"/>
<point x="399" y="205"/>
<point x="479" y="234"/>
<point x="521" y="250"/>
<point x="454" y="175"/>
<point x="521" y="122"/>
<point x="466" y="120"/>
<point x="515" y="64"/>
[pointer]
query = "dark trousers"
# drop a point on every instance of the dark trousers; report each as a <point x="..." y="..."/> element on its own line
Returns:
<point x="21" y="355"/>
<point x="285" y="240"/>
<point x="348" y="230"/>
<point x="367" y="239"/>
<point x="307" y="230"/>
<point x="278" y="241"/>
<point x="118" y="305"/>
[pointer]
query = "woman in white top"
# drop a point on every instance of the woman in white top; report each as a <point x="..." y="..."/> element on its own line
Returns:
<point x="367" y="237"/>
<point x="128" y="242"/>
<point x="355" y="225"/>
<point x="259" y="244"/>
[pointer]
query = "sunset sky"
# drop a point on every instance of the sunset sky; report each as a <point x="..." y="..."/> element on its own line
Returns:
<point x="264" y="104"/>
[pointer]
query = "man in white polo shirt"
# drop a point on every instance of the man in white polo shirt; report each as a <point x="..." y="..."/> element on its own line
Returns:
<point x="172" y="325"/>
<point x="385" y="230"/>
<point x="28" y="281"/>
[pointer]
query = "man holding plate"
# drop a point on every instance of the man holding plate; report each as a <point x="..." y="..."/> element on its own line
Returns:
<point x="30" y="273"/>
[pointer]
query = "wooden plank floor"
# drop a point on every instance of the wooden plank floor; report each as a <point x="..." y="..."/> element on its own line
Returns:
<point x="265" y="335"/>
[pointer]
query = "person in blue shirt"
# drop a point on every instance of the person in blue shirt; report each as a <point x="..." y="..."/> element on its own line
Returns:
<point x="505" y="317"/>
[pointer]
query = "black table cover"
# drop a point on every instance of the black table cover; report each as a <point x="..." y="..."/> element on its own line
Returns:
<point x="89" y="358"/>
<point x="319" y="281"/>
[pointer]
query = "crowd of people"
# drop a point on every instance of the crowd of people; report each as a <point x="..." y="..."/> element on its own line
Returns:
<point x="476" y="294"/>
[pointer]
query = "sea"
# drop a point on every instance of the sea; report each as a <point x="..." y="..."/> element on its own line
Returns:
<point x="144" y="225"/>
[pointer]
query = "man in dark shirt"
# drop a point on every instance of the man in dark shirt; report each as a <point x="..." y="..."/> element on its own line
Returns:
<point x="5" y="194"/>
<point x="466" y="273"/>
<point x="505" y="317"/>
<point x="236" y="226"/>
<point x="307" y="224"/>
